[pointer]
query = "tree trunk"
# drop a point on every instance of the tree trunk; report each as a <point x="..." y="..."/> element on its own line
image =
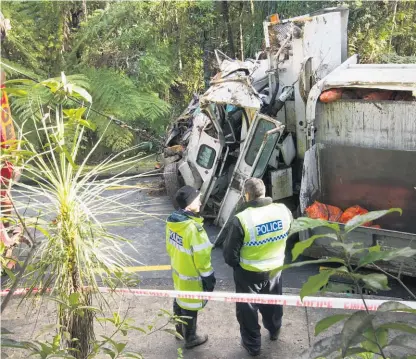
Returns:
<point x="241" y="31"/>
<point x="393" y="24"/>
<point x="206" y="58"/>
<point x="177" y="30"/>
<point x="226" y="17"/>
<point x="78" y="323"/>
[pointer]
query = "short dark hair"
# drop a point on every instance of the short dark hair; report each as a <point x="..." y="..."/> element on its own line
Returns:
<point x="255" y="188"/>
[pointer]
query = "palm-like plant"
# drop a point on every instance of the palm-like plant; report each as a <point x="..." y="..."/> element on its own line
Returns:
<point x="67" y="207"/>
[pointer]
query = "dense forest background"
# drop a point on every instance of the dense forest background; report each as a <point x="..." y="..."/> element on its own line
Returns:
<point x="142" y="61"/>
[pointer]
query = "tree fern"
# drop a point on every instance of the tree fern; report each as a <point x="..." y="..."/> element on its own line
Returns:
<point x="113" y="94"/>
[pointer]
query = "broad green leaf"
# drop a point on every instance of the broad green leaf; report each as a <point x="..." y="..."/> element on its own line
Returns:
<point x="80" y="92"/>
<point x="299" y="264"/>
<point x="370" y="346"/>
<point x="302" y="245"/>
<point x="52" y="84"/>
<point x="355" y="351"/>
<point x="9" y="272"/>
<point x="368" y="217"/>
<point x="348" y="247"/>
<point x="116" y="318"/>
<point x="354" y="326"/>
<point x="376" y="281"/>
<point x="120" y="346"/>
<point x="315" y="283"/>
<point x="18" y="81"/>
<point x="386" y="255"/>
<point x="404" y="340"/>
<point x="382" y="336"/>
<point x="88" y="124"/>
<point x="166" y="312"/>
<point x="403" y="327"/>
<point x="304" y="223"/>
<point x="74" y="299"/>
<point x="173" y="332"/>
<point x="373" y="337"/>
<point x="393" y="306"/>
<point x="110" y="352"/>
<point x="376" y="248"/>
<point x="16" y="91"/>
<point x="327" y="322"/>
<point x="80" y="112"/>
<point x="10" y="343"/>
<point x="138" y="329"/>
<point x="56" y="341"/>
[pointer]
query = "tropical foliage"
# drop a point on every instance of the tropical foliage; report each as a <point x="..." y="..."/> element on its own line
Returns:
<point x="139" y="56"/>
<point x="363" y="334"/>
<point x="69" y="214"/>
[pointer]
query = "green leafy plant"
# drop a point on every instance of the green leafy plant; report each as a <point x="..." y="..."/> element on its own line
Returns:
<point x="113" y="94"/>
<point x="71" y="217"/>
<point x="113" y="345"/>
<point x="361" y="334"/>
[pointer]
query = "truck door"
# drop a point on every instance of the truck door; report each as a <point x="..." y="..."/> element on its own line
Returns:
<point x="260" y="142"/>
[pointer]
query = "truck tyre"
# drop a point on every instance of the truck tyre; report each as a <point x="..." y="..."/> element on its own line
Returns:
<point x="172" y="181"/>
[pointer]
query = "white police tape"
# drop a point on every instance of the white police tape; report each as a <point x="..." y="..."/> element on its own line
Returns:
<point x="284" y="299"/>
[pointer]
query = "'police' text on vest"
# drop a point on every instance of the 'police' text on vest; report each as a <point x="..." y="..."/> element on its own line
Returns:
<point x="269" y="227"/>
<point x="175" y="238"/>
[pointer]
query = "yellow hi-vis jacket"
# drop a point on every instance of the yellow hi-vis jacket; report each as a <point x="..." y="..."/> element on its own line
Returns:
<point x="265" y="233"/>
<point x="189" y="249"/>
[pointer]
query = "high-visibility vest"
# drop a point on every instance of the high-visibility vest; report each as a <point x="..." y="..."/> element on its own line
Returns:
<point x="265" y="233"/>
<point x="189" y="249"/>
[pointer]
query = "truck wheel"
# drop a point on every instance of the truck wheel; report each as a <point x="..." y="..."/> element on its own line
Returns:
<point x="172" y="181"/>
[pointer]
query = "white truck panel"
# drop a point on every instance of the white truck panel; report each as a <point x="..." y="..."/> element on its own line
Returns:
<point x="385" y="125"/>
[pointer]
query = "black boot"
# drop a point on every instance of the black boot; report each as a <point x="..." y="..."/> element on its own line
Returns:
<point x="274" y="335"/>
<point x="191" y="338"/>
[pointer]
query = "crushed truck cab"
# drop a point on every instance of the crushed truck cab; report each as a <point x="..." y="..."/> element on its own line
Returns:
<point x="311" y="122"/>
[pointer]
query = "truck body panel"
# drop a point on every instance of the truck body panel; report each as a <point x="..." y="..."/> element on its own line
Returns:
<point x="375" y="179"/>
<point x="357" y="150"/>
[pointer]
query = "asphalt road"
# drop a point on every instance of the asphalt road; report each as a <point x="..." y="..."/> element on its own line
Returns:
<point x="147" y="242"/>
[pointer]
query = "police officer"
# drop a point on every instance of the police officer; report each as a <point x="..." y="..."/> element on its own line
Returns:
<point x="189" y="249"/>
<point x="255" y="248"/>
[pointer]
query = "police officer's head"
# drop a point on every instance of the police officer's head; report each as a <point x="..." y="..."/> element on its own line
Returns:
<point x="189" y="199"/>
<point x="254" y="188"/>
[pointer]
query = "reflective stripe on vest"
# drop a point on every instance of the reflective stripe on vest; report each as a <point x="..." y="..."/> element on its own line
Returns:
<point x="188" y="305"/>
<point x="276" y="261"/>
<point x="265" y="232"/>
<point x="185" y="277"/>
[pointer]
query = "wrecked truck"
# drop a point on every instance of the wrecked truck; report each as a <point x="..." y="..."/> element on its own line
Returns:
<point x="271" y="118"/>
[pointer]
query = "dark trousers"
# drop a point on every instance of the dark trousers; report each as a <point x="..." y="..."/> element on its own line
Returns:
<point x="247" y="314"/>
<point x="188" y="329"/>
